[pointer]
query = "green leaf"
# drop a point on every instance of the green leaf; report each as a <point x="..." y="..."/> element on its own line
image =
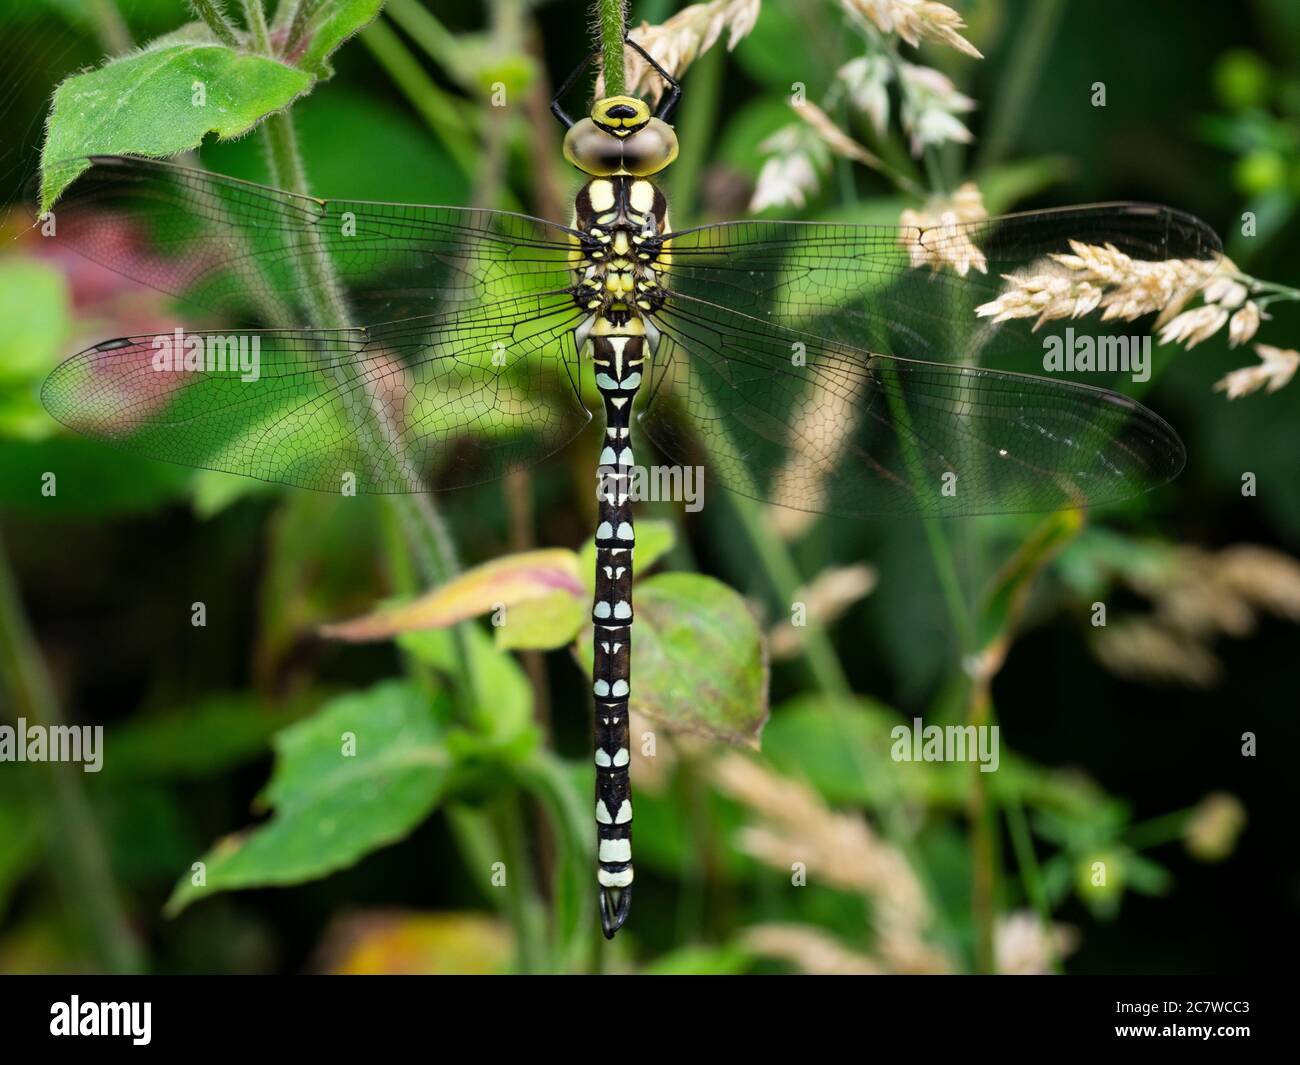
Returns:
<point x="543" y="624"/>
<point x="90" y="480"/>
<point x="503" y="697"/>
<point x="700" y="961"/>
<point x="698" y="660"/>
<point x="1005" y="600"/>
<point x="200" y="740"/>
<point x="332" y="23"/>
<point x="329" y="807"/>
<point x="573" y="885"/>
<point x="654" y="539"/>
<point x="34" y="308"/>
<point x="843" y="750"/>
<point x="144" y="104"/>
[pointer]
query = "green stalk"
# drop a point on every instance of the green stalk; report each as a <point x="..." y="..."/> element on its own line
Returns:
<point x="983" y="863"/>
<point x="255" y="16"/>
<point x="611" y="20"/>
<point x="427" y="533"/>
<point x="77" y="851"/>
<point x="110" y="27"/>
<point x="527" y="913"/>
<point x="438" y="42"/>
<point x="214" y="16"/>
<point x="1019" y="78"/>
<point x="819" y="652"/>
<point x="784" y="577"/>
<point x="694" y="131"/>
<point x="1159" y="830"/>
<point x="1031" y="875"/>
<point x="441" y="111"/>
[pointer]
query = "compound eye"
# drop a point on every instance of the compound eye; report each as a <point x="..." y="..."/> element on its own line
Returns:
<point x="592" y="150"/>
<point x="650" y="149"/>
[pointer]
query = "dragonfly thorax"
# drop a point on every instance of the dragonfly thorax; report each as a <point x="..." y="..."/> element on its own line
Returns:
<point x="620" y="261"/>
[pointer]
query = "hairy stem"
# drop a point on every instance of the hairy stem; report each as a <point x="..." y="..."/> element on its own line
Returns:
<point x="428" y="537"/>
<point x="214" y="16"/>
<point x="255" y="16"/>
<point x="611" y="20"/>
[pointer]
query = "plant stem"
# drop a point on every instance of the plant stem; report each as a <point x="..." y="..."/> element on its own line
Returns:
<point x="527" y="913"/>
<point x="428" y="537"/>
<point x="441" y="111"/>
<point x="1158" y="830"/>
<point x="432" y="36"/>
<point x="211" y="12"/>
<point x="255" y="16"/>
<point x="1031" y="875"/>
<point x="110" y="27"/>
<point x="946" y="570"/>
<point x="611" y="17"/>
<point x="983" y="864"/>
<point x="1018" y="79"/>
<point x="76" y="849"/>
<point x="694" y="131"/>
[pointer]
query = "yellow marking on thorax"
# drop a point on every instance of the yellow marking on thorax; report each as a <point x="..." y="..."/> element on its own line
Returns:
<point x="641" y="197"/>
<point x="603" y="327"/>
<point x="601" y="194"/>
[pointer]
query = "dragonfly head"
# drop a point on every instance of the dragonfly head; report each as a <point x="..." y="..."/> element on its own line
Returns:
<point x="620" y="137"/>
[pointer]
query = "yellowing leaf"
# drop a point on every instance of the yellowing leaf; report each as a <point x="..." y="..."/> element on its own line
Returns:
<point x="542" y="624"/>
<point x="414" y="944"/>
<point x="503" y="582"/>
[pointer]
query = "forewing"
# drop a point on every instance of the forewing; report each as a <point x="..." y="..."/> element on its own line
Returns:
<point x="913" y="292"/>
<point x="254" y="253"/>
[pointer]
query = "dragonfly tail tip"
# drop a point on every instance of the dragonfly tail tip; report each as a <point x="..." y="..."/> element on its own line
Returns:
<point x="614" y="906"/>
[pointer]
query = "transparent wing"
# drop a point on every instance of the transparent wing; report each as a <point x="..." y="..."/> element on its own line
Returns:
<point x="813" y="424"/>
<point x="914" y="292"/>
<point x="252" y="252"/>
<point x="432" y="402"/>
<point x="449" y="360"/>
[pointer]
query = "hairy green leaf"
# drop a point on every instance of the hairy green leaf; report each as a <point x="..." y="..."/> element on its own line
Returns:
<point x="329" y="25"/>
<point x="331" y="807"/>
<point x="160" y="102"/>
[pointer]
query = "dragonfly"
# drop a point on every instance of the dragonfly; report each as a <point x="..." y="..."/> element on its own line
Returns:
<point x="842" y="369"/>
